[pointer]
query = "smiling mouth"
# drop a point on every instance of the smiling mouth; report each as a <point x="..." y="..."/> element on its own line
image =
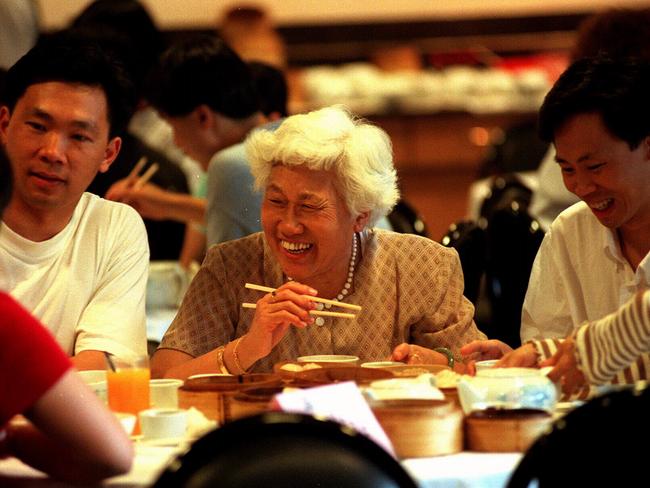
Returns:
<point x="602" y="205"/>
<point x="46" y="177"/>
<point x="295" y="247"/>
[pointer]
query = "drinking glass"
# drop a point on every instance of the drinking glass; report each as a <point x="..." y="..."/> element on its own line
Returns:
<point x="128" y="384"/>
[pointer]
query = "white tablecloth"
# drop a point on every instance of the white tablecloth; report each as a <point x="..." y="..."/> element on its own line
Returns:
<point x="467" y="469"/>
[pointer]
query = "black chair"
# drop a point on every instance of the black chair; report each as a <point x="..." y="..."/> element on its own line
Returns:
<point x="284" y="450"/>
<point x="513" y="238"/>
<point x="601" y="443"/>
<point x="497" y="254"/>
<point x="405" y="219"/>
<point x="469" y="238"/>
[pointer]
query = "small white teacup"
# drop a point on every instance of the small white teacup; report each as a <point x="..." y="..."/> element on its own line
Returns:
<point x="163" y="393"/>
<point x="163" y="423"/>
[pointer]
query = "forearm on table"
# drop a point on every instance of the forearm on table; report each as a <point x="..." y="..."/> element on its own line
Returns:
<point x="171" y="363"/>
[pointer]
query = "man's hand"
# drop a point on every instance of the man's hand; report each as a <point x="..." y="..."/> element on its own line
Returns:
<point x="565" y="367"/>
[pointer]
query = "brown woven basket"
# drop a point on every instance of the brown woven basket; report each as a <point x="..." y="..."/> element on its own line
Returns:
<point x="498" y="430"/>
<point x="421" y="428"/>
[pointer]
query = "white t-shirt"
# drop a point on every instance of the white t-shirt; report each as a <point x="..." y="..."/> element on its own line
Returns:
<point x="86" y="284"/>
<point x="579" y="274"/>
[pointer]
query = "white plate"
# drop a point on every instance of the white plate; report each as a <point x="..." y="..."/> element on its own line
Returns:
<point x="206" y="375"/>
<point x="328" y="358"/>
<point x="381" y="364"/>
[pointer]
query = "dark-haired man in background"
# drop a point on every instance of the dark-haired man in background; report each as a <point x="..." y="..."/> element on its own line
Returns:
<point x="207" y="94"/>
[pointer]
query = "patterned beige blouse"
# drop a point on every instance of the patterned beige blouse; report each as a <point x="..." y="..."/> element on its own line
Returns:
<point x="410" y="288"/>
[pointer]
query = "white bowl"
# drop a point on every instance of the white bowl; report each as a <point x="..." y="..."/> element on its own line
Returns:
<point x="487" y="364"/>
<point x="381" y="364"/>
<point x="163" y="423"/>
<point x="328" y="358"/>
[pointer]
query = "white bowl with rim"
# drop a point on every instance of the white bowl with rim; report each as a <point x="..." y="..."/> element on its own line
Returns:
<point x="329" y="358"/>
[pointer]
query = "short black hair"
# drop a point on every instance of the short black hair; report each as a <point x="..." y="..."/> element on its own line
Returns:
<point x="203" y="70"/>
<point x="68" y="60"/>
<point x="617" y="89"/>
<point x="271" y="88"/>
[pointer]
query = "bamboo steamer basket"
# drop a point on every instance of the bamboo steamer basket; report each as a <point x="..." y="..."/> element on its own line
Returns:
<point x="249" y="401"/>
<point x="209" y="393"/>
<point x="421" y="428"/>
<point x="499" y="430"/>
<point x="331" y="374"/>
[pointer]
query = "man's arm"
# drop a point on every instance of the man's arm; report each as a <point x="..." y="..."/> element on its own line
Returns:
<point x="89" y="360"/>
<point x="152" y="202"/>
<point x="114" y="319"/>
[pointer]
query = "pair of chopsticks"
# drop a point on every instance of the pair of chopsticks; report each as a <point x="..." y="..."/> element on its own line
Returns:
<point x="139" y="181"/>
<point x="323" y="313"/>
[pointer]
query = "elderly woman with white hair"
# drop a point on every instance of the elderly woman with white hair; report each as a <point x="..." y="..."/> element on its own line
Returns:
<point x="327" y="178"/>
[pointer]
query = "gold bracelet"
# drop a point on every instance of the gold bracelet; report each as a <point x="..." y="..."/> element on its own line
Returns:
<point x="236" y="356"/>
<point x="220" y="364"/>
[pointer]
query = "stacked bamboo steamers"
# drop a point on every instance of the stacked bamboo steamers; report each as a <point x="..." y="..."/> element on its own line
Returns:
<point x="422" y="412"/>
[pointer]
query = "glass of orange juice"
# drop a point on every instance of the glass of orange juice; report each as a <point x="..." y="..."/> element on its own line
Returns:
<point x="128" y="385"/>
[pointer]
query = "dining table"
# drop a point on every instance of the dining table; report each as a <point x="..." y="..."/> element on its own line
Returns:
<point x="463" y="469"/>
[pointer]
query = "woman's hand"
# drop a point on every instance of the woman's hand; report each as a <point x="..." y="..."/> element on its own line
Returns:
<point x="274" y="314"/>
<point x="525" y="356"/>
<point x="412" y="354"/>
<point x="484" y="350"/>
<point x="565" y="368"/>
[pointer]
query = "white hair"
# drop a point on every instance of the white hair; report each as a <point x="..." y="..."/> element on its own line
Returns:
<point x="331" y="139"/>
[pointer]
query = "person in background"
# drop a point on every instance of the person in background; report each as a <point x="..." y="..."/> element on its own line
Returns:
<point x="595" y="256"/>
<point x="77" y="262"/>
<point x="250" y="31"/>
<point x="70" y="434"/>
<point x="618" y="33"/>
<point x="125" y="28"/>
<point x="271" y="86"/>
<point x="207" y="94"/>
<point x="327" y="178"/>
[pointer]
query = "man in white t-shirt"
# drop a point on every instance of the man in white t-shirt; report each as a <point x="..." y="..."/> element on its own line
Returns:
<point x="596" y="254"/>
<point x="77" y="262"/>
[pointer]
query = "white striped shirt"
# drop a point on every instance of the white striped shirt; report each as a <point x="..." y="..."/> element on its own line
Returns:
<point x="615" y="348"/>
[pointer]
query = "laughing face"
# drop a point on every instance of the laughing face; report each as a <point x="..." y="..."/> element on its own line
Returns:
<point x="57" y="140"/>
<point x="309" y="227"/>
<point x="604" y="172"/>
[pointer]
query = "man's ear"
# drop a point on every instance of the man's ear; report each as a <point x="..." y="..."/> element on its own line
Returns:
<point x="204" y="116"/>
<point x="5" y="116"/>
<point x="361" y="221"/>
<point x="111" y="152"/>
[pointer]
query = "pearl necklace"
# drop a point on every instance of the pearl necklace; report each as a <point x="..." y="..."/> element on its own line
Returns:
<point x="348" y="282"/>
